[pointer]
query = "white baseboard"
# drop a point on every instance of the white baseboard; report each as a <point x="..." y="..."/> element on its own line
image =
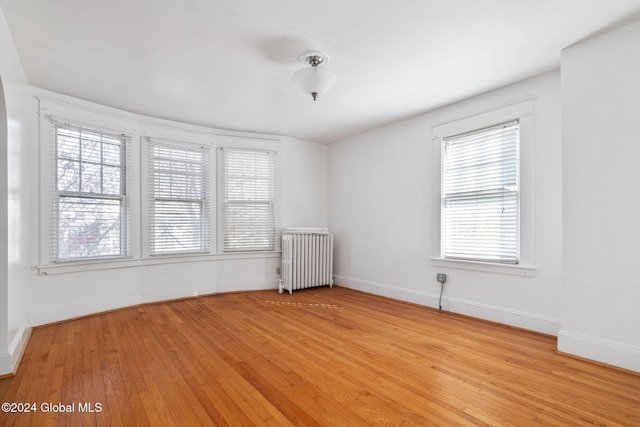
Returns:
<point x="5" y="363"/>
<point x="609" y="352"/>
<point x="18" y="346"/>
<point x="10" y="360"/>
<point x="82" y="308"/>
<point x="208" y="289"/>
<point x="521" y="319"/>
<point x="247" y="285"/>
<point x="170" y="294"/>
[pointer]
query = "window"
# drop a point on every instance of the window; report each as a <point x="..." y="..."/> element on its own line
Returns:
<point x="179" y="198"/>
<point x="91" y="204"/>
<point x="481" y="195"/>
<point x="248" y="201"/>
<point x="118" y="192"/>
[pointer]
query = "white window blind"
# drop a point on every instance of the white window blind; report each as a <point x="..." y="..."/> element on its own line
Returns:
<point x="90" y="213"/>
<point x="248" y="200"/>
<point x="179" y="198"/>
<point x="481" y="195"/>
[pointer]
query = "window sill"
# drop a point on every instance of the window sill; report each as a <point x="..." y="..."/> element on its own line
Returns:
<point x="95" y="265"/>
<point x="487" y="267"/>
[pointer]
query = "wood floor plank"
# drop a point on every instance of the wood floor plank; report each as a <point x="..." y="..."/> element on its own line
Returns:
<point x="315" y="358"/>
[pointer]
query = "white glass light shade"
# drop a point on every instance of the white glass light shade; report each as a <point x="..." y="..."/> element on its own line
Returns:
<point x="315" y="80"/>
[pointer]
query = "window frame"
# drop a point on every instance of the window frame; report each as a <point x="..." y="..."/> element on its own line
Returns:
<point x="523" y="112"/>
<point x="223" y="203"/>
<point x="204" y="150"/>
<point x="136" y="128"/>
<point x="123" y="196"/>
<point x="483" y="192"/>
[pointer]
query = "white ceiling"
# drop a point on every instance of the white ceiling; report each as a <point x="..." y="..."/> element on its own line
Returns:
<point x="228" y="63"/>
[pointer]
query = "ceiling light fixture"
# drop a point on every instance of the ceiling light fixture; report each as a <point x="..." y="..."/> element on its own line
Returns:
<point x="315" y="78"/>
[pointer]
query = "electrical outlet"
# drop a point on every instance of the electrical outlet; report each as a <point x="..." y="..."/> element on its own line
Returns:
<point x="442" y="278"/>
<point x="277" y="270"/>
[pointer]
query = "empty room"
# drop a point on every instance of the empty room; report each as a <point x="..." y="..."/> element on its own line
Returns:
<point x="297" y="213"/>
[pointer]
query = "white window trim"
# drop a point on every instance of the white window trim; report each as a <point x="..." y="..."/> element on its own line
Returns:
<point x="149" y="142"/>
<point x="524" y="112"/>
<point x="122" y="197"/>
<point x="151" y="133"/>
<point x="221" y="205"/>
<point x="487" y="267"/>
<point x="51" y="113"/>
<point x="248" y="143"/>
<point x="136" y="127"/>
<point x="95" y="265"/>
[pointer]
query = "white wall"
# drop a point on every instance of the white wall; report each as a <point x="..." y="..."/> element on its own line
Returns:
<point x="22" y="195"/>
<point x="58" y="292"/>
<point x="601" y="167"/>
<point x="384" y="210"/>
<point x="303" y="190"/>
<point x="10" y="64"/>
<point x="15" y="193"/>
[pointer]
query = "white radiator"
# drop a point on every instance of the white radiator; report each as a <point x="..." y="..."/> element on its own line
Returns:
<point x="307" y="258"/>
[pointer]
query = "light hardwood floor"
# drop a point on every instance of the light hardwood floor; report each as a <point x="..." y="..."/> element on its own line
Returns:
<point x="318" y="357"/>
